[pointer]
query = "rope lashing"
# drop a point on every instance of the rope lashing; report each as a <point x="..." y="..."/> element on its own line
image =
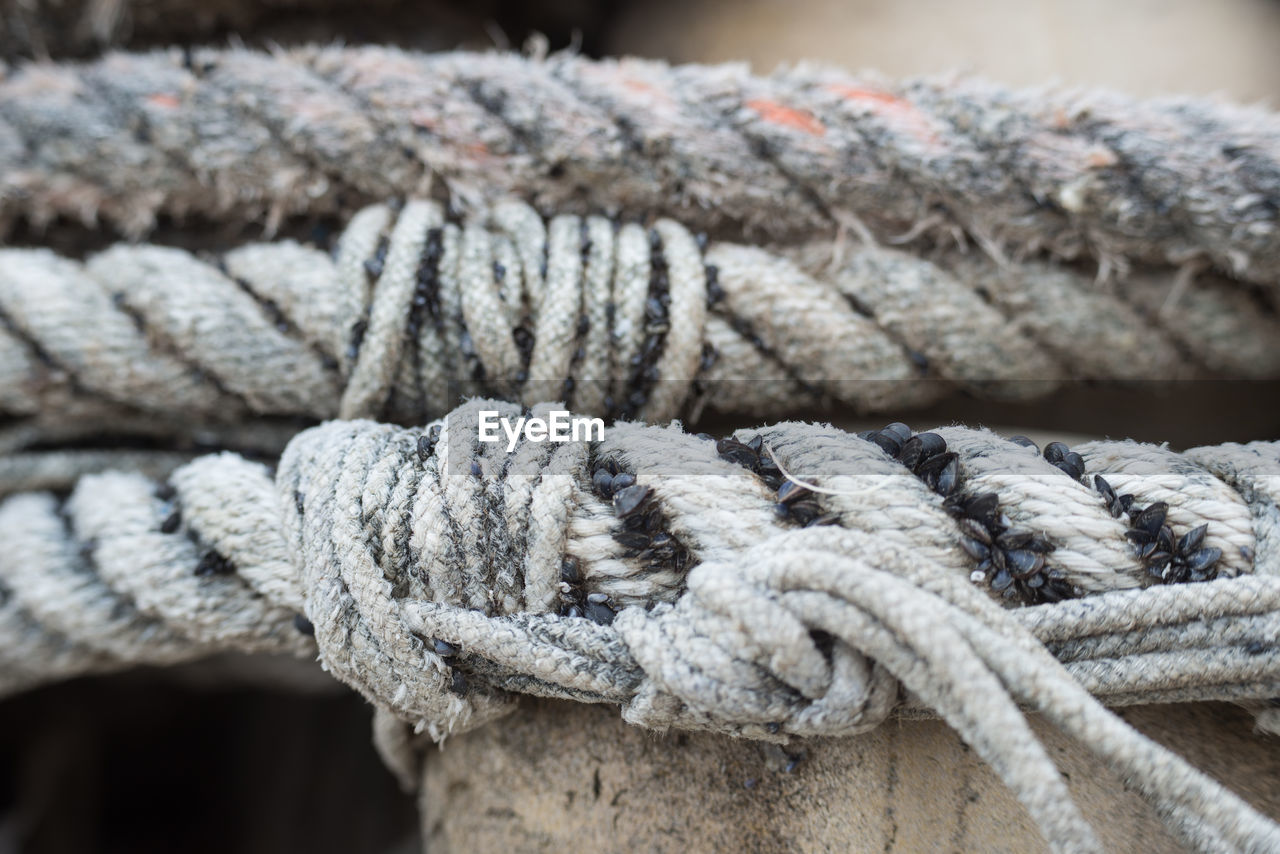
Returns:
<point x="781" y="582"/>
<point x="412" y="311"/>
<point x="241" y="134"/>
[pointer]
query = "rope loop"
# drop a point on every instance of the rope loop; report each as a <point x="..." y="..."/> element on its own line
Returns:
<point x="572" y="308"/>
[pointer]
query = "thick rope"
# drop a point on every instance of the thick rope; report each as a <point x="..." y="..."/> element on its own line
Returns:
<point x="241" y="134"/>
<point x="781" y="582"/>
<point x="411" y="312"/>
<point x="790" y="581"/>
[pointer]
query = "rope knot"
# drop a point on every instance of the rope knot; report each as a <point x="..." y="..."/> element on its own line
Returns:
<point x="380" y="516"/>
<point x="572" y="308"/>
<point x="735" y="649"/>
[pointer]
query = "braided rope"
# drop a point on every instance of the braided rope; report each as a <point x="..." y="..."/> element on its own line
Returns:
<point x="241" y="134"/>
<point x="412" y="312"/>
<point x="780" y="582"/>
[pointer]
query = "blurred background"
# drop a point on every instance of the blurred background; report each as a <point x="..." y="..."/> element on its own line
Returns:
<point x="1144" y="47"/>
<point x="150" y="762"/>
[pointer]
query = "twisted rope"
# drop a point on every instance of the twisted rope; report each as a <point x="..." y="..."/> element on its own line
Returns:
<point x="780" y="582"/>
<point x="241" y="134"/>
<point x="790" y="581"/>
<point x="411" y="312"/>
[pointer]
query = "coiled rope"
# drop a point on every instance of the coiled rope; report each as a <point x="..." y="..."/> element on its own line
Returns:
<point x="780" y="582"/>
<point x="240" y="134"/>
<point x="412" y="312"/>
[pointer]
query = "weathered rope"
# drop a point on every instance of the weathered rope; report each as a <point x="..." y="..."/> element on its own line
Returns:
<point x="781" y="582"/>
<point x="411" y="311"/>
<point x="242" y="134"/>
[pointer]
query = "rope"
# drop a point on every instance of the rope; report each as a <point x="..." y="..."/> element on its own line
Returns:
<point x="412" y="312"/>
<point x="791" y="581"/>
<point x="235" y="134"/>
<point x="786" y="582"/>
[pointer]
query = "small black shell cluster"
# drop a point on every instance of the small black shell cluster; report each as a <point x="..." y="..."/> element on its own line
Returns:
<point x="925" y="454"/>
<point x="715" y="293"/>
<point x="575" y="602"/>
<point x="795" y="503"/>
<point x="710" y="355"/>
<point x="449" y="653"/>
<point x="1166" y="558"/>
<point x="425" y="306"/>
<point x="374" y="264"/>
<point x="1012" y="561"/>
<point x="372" y="269"/>
<point x="211" y="562"/>
<point x="427" y="442"/>
<point x="274" y="314"/>
<point x="1060" y="456"/>
<point x="1170" y="560"/>
<point x="644" y="536"/>
<point x="642" y="373"/>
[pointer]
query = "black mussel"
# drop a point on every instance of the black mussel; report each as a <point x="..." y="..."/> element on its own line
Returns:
<point x="628" y="501"/>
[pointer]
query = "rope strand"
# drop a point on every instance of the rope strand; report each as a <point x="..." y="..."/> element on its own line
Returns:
<point x="413" y="312"/>
<point x="239" y="134"/>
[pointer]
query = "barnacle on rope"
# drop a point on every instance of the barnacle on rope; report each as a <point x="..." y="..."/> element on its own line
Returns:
<point x="643" y="536"/>
<point x="795" y="502"/>
<point x="1013" y="562"/>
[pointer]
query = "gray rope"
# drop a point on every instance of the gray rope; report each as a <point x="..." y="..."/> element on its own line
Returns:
<point x="238" y="134"/>
<point x="59" y="470"/>
<point x="791" y="581"/>
<point x="780" y="583"/>
<point x="412" y="312"/>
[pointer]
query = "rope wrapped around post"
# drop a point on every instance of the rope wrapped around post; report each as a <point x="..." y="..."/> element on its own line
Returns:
<point x="791" y="581"/>
<point x="413" y="312"/>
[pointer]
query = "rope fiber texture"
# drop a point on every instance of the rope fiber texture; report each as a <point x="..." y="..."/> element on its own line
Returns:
<point x="786" y="582"/>
<point x="411" y="312"/>
<point x="236" y="134"/>
<point x="791" y="581"/>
